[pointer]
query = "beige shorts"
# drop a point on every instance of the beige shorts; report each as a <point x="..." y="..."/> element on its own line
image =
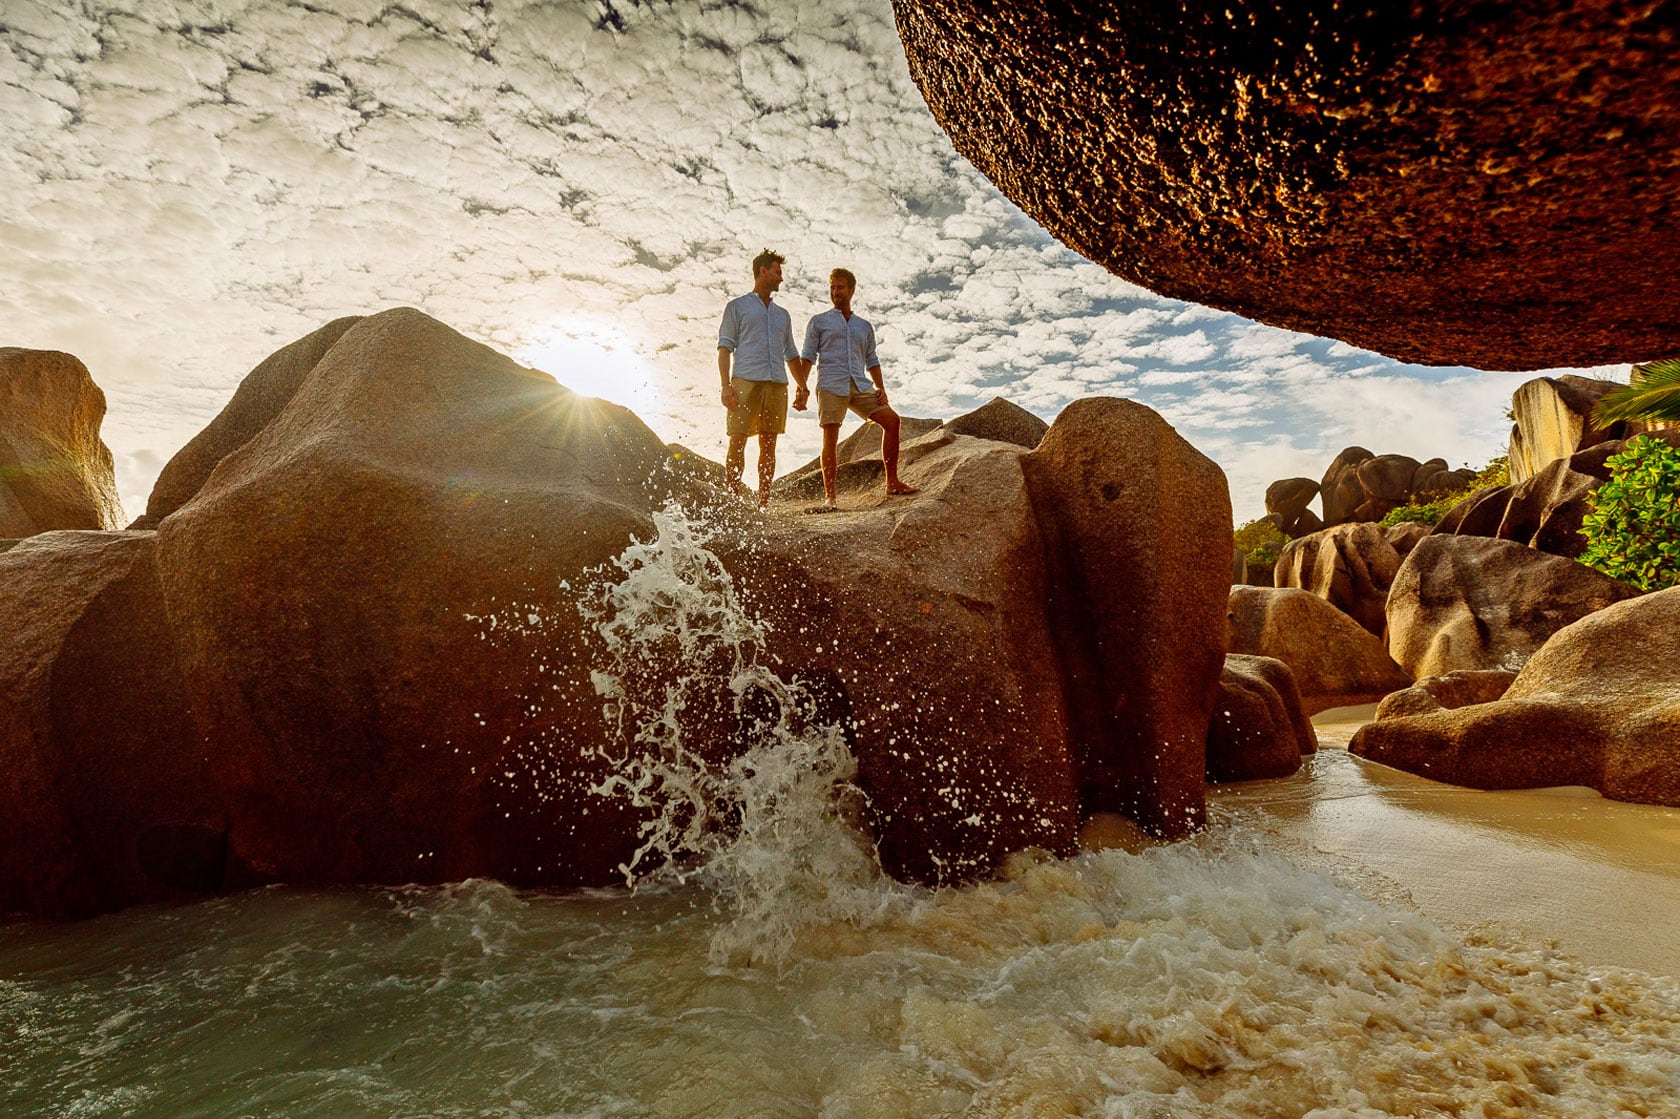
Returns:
<point x="761" y="407"/>
<point x="832" y="407"/>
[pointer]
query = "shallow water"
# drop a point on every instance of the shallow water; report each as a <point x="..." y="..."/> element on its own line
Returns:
<point x="1205" y="979"/>
<point x="781" y="975"/>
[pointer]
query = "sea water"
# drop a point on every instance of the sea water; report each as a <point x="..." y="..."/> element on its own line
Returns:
<point x="768" y="969"/>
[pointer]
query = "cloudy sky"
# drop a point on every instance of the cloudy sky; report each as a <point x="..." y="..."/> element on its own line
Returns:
<point x="190" y="186"/>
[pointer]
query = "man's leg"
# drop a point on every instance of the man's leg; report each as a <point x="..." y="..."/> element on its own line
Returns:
<point x="735" y="462"/>
<point x="830" y="467"/>
<point x="888" y="420"/>
<point x="766" y="468"/>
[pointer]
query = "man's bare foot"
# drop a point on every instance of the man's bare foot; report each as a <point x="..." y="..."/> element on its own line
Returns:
<point x="825" y="507"/>
<point x="764" y="501"/>
<point x="896" y="488"/>
<point x="737" y="488"/>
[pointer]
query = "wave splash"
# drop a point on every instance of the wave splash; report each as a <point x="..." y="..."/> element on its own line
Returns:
<point x="772" y="830"/>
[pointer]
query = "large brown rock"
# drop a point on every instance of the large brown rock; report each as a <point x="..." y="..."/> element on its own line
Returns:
<point x="1598" y="705"/>
<point x="1136" y="524"/>
<point x="1335" y="661"/>
<point x="1002" y="421"/>
<point x="1289" y="497"/>
<point x="924" y="620"/>
<point x="1554" y="420"/>
<point x="106" y="796"/>
<point x="1387" y="479"/>
<point x="1349" y="566"/>
<point x="1259" y="728"/>
<point x="55" y="472"/>
<point x="1470" y="602"/>
<point x="256" y="402"/>
<point x="1547" y="510"/>
<point x="1459" y="688"/>
<point x="1446" y="184"/>
<point x="1340" y="492"/>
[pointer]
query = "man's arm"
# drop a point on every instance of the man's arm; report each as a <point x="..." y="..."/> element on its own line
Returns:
<point x="730" y="399"/>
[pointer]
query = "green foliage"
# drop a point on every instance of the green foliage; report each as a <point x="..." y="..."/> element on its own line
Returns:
<point x="1426" y="513"/>
<point x="1654" y="395"/>
<point x="1261" y="541"/>
<point x="1633" y="526"/>
<point x="1496" y="473"/>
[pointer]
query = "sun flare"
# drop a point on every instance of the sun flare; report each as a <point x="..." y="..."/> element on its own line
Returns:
<point x="596" y="359"/>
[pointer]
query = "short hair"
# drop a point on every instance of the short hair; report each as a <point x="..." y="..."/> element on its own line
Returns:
<point x="843" y="274"/>
<point x="765" y="259"/>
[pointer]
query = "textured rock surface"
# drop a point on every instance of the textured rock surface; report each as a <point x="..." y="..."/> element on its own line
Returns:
<point x="1546" y="510"/>
<point x="929" y="616"/>
<point x="858" y="460"/>
<point x="1259" y="729"/>
<point x="261" y="395"/>
<point x="1459" y="688"/>
<point x="355" y="652"/>
<point x="103" y="800"/>
<point x="1554" y="420"/>
<point x="1002" y="421"/>
<point x="1598" y="705"/>
<point x="1136" y="524"/>
<point x="1340" y="493"/>
<point x="1349" y="566"/>
<point x="1452" y="184"/>
<point x="1466" y="602"/>
<point x="1335" y="661"/>
<point x="55" y="472"/>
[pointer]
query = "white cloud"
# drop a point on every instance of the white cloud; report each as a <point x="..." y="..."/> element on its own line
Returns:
<point x="189" y="188"/>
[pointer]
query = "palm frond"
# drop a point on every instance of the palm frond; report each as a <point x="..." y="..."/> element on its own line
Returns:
<point x="1654" y="395"/>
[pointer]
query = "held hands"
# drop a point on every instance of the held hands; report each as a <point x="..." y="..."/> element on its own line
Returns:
<point x="801" y="398"/>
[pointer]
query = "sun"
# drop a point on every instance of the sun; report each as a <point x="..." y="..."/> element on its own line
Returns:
<point x="596" y="358"/>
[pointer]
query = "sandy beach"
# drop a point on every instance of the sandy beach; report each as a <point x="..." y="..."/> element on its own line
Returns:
<point x="1564" y="866"/>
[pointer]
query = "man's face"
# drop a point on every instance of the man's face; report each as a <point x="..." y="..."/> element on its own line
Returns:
<point x="840" y="293"/>
<point x="773" y="273"/>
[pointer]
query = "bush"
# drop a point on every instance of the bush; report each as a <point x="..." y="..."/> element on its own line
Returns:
<point x="1261" y="541"/>
<point x="1496" y="473"/>
<point x="1633" y="523"/>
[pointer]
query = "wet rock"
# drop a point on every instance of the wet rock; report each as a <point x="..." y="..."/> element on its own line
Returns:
<point x="1136" y="524"/>
<point x="1595" y="706"/>
<point x="1467" y="602"/>
<point x="1001" y="421"/>
<point x="1335" y="661"/>
<point x="1442" y="184"/>
<point x="55" y="472"/>
<point x="1259" y="729"/>
<point x="107" y="798"/>
<point x="1459" y="688"/>
<point x="928" y="613"/>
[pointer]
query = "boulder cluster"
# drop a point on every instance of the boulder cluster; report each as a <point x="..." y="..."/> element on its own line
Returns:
<point x="1476" y="634"/>
<point x="362" y="631"/>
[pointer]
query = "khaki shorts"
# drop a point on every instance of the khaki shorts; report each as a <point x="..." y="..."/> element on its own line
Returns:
<point x="761" y="407"/>
<point x="832" y="407"/>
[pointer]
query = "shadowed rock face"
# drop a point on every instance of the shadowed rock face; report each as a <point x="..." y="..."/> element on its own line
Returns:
<point x="1447" y="184"/>
<point x="55" y="472"/>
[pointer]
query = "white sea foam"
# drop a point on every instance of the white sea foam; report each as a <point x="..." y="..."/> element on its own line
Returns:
<point x="771" y="829"/>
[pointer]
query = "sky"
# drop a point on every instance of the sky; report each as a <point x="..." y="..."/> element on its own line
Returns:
<point x="582" y="184"/>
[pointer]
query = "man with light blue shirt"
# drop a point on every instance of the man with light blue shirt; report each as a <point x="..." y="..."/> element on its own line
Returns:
<point x="754" y="341"/>
<point x="842" y="345"/>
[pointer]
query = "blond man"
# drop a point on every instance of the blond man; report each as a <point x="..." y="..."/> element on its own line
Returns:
<point x="755" y="340"/>
<point x="842" y="346"/>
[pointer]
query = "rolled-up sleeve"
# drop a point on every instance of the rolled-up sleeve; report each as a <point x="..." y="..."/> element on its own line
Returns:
<point x="812" y="349"/>
<point x="729" y="331"/>
<point x="870" y="358"/>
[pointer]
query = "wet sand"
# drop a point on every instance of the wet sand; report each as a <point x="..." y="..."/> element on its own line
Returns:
<point x="1597" y="878"/>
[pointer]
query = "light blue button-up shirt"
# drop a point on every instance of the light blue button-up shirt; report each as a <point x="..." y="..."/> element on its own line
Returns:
<point x="761" y="337"/>
<point x="844" y="350"/>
